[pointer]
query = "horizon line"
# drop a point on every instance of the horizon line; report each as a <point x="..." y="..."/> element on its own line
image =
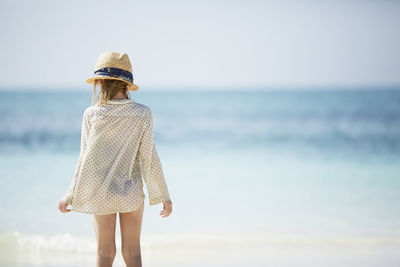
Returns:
<point x="214" y="88"/>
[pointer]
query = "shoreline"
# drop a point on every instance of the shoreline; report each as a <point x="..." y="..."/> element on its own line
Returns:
<point x="190" y="249"/>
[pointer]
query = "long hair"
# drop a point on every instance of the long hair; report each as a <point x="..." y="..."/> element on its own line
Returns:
<point x="108" y="90"/>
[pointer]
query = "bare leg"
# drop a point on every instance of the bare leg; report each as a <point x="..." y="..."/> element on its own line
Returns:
<point x="104" y="226"/>
<point x="131" y="226"/>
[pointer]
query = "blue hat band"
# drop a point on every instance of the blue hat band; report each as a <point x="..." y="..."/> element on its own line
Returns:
<point x="115" y="73"/>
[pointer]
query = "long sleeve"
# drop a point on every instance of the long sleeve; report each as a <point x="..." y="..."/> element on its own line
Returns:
<point x="151" y="166"/>
<point x="84" y="137"/>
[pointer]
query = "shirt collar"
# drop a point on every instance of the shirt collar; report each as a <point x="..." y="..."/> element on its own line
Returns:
<point x="120" y="101"/>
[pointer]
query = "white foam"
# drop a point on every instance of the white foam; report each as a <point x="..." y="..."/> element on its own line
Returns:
<point x="190" y="249"/>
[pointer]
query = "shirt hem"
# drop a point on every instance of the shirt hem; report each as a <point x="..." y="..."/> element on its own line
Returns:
<point x="107" y="212"/>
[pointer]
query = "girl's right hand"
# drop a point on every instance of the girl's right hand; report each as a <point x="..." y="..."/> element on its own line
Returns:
<point x="62" y="206"/>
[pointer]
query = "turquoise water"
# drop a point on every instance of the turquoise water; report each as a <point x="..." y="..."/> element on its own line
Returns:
<point x="309" y="163"/>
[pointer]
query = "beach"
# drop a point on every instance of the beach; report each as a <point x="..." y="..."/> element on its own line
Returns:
<point x="238" y="249"/>
<point x="257" y="178"/>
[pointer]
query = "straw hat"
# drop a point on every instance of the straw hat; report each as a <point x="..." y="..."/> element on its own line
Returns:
<point x="115" y="66"/>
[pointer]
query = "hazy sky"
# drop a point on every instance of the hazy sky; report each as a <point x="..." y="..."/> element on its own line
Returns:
<point x="182" y="44"/>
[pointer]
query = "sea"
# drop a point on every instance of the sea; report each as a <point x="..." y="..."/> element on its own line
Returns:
<point x="277" y="177"/>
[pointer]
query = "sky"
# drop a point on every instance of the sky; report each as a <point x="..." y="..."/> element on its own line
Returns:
<point x="203" y="44"/>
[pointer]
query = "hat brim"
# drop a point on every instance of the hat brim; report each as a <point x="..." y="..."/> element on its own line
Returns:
<point x="130" y="87"/>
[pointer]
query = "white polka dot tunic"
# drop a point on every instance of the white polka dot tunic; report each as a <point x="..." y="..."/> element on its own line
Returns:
<point x="117" y="150"/>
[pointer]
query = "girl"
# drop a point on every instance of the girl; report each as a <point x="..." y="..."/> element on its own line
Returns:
<point x="117" y="150"/>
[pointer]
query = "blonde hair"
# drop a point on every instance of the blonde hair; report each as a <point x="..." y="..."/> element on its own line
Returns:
<point x="109" y="88"/>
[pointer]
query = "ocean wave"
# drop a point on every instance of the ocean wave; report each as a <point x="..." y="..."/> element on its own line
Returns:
<point x="326" y="122"/>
